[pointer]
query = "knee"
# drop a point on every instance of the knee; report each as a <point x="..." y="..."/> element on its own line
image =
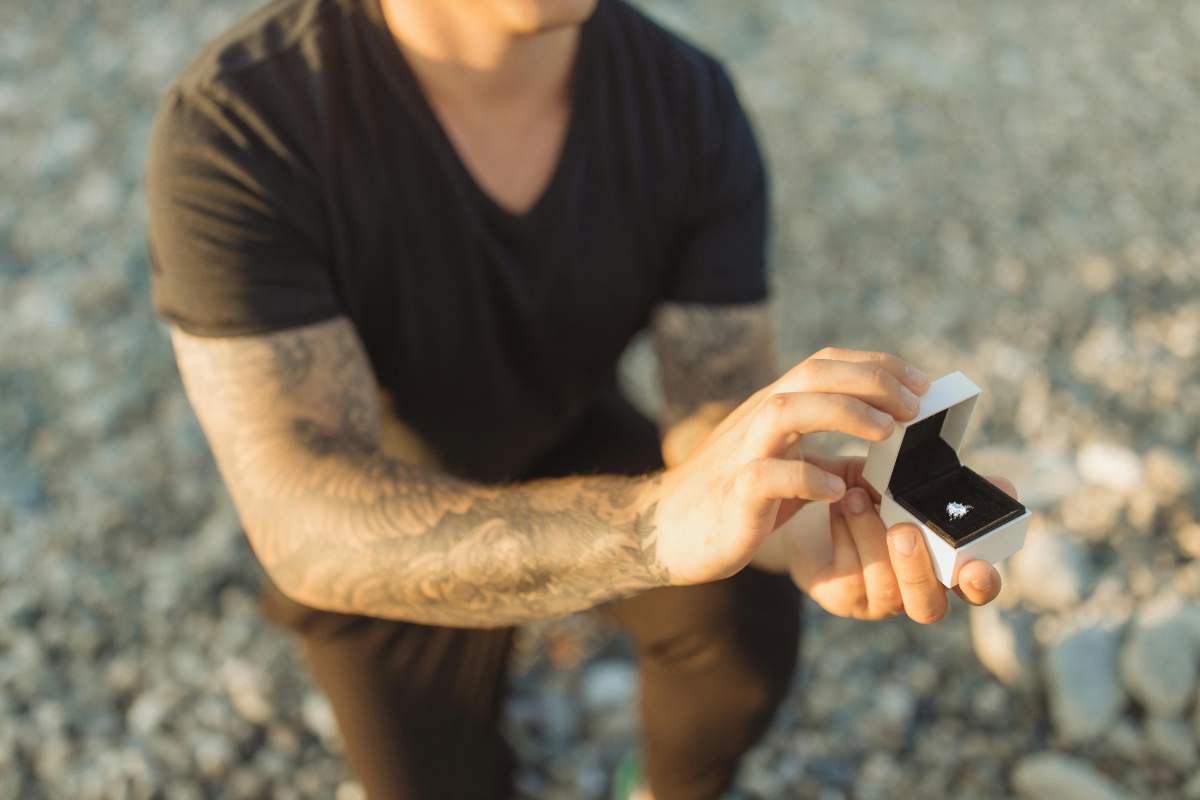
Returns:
<point x="743" y="671"/>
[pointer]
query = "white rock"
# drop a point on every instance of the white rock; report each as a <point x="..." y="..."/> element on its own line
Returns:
<point x="608" y="684"/>
<point x="214" y="756"/>
<point x="246" y="686"/>
<point x="1158" y="659"/>
<point x="1043" y="476"/>
<point x="1052" y="570"/>
<point x="1168" y="473"/>
<point x="1109" y="465"/>
<point x="1084" y="689"/>
<point x="1004" y="643"/>
<point x="147" y="712"/>
<point x="1171" y="738"/>
<point x="1188" y="539"/>
<point x="318" y="716"/>
<point x="350" y="790"/>
<point x="1055" y="776"/>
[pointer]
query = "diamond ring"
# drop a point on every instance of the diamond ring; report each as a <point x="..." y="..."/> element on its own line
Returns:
<point x="957" y="510"/>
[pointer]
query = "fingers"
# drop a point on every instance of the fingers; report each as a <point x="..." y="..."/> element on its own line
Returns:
<point x="871" y="382"/>
<point x="923" y="595"/>
<point x="978" y="582"/>
<point x="780" y="416"/>
<point x="869" y="539"/>
<point x="912" y="377"/>
<point x="766" y="480"/>
<point x="845" y="564"/>
<point x="850" y="468"/>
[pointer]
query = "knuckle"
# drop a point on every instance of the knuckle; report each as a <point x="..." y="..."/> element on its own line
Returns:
<point x="778" y="402"/>
<point x="881" y="378"/>
<point x="752" y="474"/>
<point x="888" y="597"/>
<point x="825" y="352"/>
<point x="927" y="616"/>
<point x="913" y="582"/>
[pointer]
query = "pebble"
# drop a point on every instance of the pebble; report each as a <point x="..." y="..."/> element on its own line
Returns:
<point x="608" y="684"/>
<point x="1004" y="642"/>
<point x="1158" y="658"/>
<point x="246" y="685"/>
<point x="1169" y="473"/>
<point x="1172" y="739"/>
<point x="1084" y="689"/>
<point x="1056" y="776"/>
<point x="318" y="716"/>
<point x="1109" y="465"/>
<point x="1052" y="570"/>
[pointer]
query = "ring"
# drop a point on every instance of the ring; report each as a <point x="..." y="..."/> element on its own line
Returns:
<point x="957" y="510"/>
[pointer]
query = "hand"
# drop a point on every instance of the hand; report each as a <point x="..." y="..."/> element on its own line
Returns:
<point x="872" y="573"/>
<point x="716" y="507"/>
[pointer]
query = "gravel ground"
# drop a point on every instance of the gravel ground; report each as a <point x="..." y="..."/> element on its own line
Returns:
<point x="1006" y="188"/>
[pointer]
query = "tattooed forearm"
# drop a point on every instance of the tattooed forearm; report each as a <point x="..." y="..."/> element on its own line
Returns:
<point x="712" y="354"/>
<point x="294" y="421"/>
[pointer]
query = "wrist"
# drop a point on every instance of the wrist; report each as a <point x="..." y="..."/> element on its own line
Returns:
<point x="645" y="530"/>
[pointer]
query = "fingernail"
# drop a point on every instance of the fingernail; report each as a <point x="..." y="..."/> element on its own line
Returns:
<point x="904" y="542"/>
<point x="918" y="378"/>
<point x="910" y="400"/>
<point x="880" y="418"/>
<point x="836" y="485"/>
<point x="982" y="583"/>
<point x="856" y="501"/>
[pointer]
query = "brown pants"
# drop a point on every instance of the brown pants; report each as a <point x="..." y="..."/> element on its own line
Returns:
<point x="419" y="706"/>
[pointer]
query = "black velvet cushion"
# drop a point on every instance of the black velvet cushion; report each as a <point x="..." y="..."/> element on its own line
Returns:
<point x="928" y="476"/>
<point x="990" y="506"/>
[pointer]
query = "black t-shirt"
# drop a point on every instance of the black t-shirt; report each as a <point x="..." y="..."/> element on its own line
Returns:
<point x="296" y="172"/>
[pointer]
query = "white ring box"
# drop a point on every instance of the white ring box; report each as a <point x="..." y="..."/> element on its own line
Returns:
<point x="917" y="473"/>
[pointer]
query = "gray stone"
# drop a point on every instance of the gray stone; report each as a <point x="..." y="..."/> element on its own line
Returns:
<point x="1158" y="659"/>
<point x="147" y="712"/>
<point x="1051" y="571"/>
<point x="214" y="756"/>
<point x="1004" y="643"/>
<point x="1191" y="789"/>
<point x="1172" y="739"/>
<point x="246" y="686"/>
<point x="1084" y="688"/>
<point x="1056" y="776"/>
<point x="318" y="716"/>
<point x="607" y="684"/>
<point x="1126" y="740"/>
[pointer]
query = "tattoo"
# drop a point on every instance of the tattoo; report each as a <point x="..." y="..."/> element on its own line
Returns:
<point x="294" y="421"/>
<point x="712" y="354"/>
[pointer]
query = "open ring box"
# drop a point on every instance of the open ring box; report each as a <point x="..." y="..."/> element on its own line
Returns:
<point x="917" y="472"/>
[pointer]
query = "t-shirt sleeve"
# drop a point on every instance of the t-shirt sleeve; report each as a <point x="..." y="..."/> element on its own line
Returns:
<point x="721" y="252"/>
<point x="235" y="229"/>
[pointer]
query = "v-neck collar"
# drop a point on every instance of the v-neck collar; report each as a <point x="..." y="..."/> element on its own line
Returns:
<point x="402" y="77"/>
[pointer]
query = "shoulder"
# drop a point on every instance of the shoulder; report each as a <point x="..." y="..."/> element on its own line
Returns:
<point x="254" y="87"/>
<point x="258" y="42"/>
<point x="684" y="67"/>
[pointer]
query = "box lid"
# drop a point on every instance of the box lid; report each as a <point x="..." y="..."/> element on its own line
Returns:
<point x="928" y="443"/>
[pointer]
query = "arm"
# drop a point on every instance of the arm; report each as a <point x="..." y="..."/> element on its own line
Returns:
<point x="711" y="358"/>
<point x="294" y="421"/>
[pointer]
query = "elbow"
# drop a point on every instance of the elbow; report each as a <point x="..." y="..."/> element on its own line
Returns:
<point x="282" y="559"/>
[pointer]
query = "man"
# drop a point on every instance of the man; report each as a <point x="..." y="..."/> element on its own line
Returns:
<point x="401" y="245"/>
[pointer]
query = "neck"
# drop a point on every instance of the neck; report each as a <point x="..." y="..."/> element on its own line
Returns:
<point x="460" y="53"/>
